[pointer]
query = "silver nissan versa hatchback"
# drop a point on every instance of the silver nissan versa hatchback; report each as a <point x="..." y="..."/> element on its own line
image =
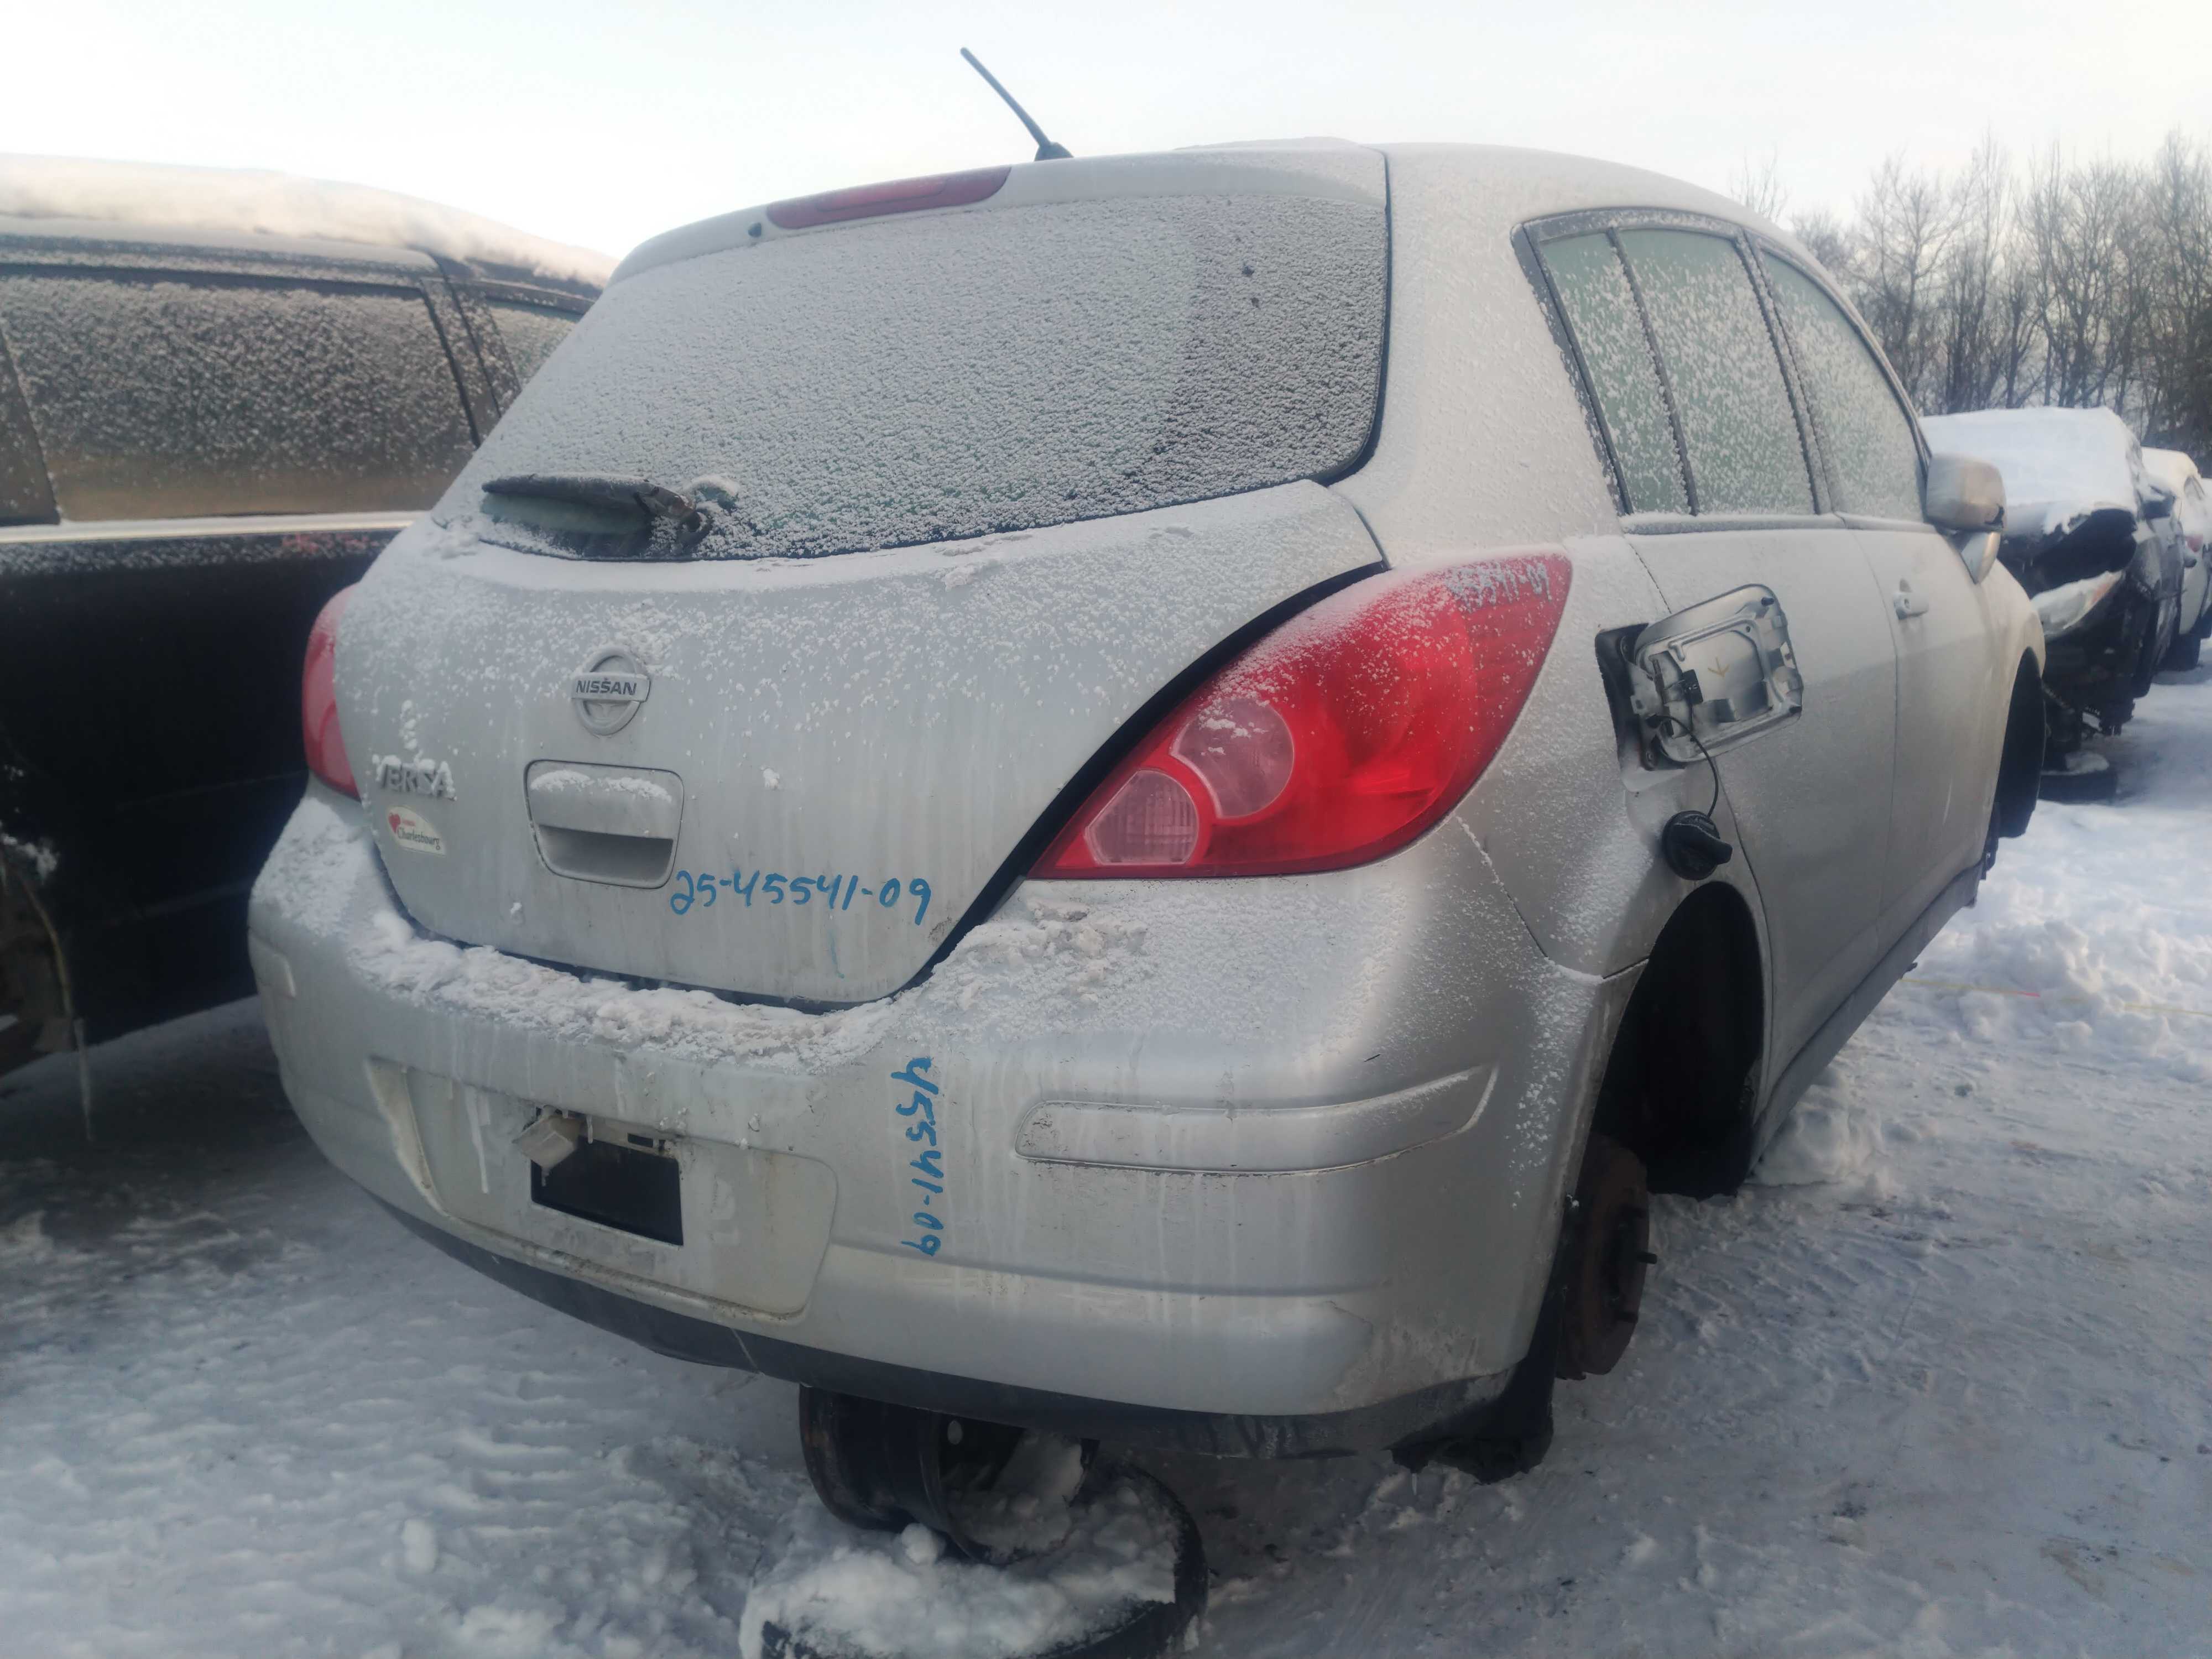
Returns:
<point x="1146" y="797"/>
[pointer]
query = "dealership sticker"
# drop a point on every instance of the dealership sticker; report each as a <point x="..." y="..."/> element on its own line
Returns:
<point x="414" y="831"/>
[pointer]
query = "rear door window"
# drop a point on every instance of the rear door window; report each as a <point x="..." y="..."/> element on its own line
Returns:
<point x="1864" y="431"/>
<point x="1739" y="427"/>
<point x="1601" y="314"/>
<point x="531" y="334"/>
<point x="24" y="497"/>
<point x="156" y="395"/>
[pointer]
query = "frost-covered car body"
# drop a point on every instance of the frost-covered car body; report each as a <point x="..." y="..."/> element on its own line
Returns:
<point x="206" y="429"/>
<point x="2105" y="569"/>
<point x="2177" y="474"/>
<point x="713" y="830"/>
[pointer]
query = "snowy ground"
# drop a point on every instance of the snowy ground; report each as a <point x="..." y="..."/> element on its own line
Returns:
<point x="1944" y="1391"/>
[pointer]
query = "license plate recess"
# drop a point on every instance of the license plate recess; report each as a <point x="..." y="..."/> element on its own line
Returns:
<point x="626" y="1187"/>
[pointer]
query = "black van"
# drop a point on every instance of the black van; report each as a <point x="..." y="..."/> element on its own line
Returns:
<point x="203" y="436"/>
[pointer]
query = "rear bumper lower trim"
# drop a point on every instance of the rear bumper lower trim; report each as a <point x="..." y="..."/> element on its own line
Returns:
<point x="1408" y="1419"/>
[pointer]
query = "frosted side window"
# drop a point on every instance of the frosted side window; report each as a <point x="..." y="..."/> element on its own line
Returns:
<point x="531" y="334"/>
<point x="1738" y="425"/>
<point x="1601" y="314"/>
<point x="24" y="497"/>
<point x="1865" y="433"/>
<point x="159" y="395"/>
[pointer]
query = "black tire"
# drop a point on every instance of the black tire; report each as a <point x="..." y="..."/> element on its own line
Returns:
<point x="2186" y="651"/>
<point x="2019" y="764"/>
<point x="1149" y="1630"/>
<point x="2150" y="648"/>
<point x="2025" y="732"/>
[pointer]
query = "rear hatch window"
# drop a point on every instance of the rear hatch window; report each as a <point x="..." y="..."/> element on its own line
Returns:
<point x="927" y="377"/>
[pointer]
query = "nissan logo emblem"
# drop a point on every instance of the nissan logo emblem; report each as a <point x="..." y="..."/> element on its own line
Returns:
<point x="609" y="690"/>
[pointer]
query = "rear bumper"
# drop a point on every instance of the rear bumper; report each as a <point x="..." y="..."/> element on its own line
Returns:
<point x="1241" y="1166"/>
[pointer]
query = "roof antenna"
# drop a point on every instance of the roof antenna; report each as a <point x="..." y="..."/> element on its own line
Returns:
<point x="1047" y="151"/>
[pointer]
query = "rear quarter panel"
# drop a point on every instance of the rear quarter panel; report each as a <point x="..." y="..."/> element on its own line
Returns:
<point x="1483" y="447"/>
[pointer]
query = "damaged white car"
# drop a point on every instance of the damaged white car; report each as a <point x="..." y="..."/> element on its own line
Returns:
<point x="1146" y="797"/>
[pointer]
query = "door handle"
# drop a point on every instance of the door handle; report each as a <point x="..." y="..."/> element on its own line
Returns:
<point x="1907" y="603"/>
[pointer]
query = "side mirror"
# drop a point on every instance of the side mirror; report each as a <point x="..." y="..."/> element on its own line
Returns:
<point x="1964" y="494"/>
<point x="2157" y="502"/>
<point x="1966" y="497"/>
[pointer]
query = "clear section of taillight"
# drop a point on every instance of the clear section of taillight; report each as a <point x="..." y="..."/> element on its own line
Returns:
<point x="1150" y="819"/>
<point x="319" y="699"/>
<point x="1337" y="739"/>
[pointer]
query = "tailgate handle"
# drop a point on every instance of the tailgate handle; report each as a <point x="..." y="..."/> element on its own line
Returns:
<point x="607" y="823"/>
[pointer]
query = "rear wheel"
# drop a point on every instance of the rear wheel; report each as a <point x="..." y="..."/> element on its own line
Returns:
<point x="2187" y="651"/>
<point x="883" y="1467"/>
<point x="1605" y="1254"/>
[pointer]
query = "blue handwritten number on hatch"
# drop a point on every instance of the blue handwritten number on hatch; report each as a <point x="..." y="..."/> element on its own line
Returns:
<point x="930" y="1161"/>
<point x="699" y="889"/>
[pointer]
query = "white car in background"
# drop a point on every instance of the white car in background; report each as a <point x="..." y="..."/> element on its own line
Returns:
<point x="2192" y="521"/>
<point x="1139" y="796"/>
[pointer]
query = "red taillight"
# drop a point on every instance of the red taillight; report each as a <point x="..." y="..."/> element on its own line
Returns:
<point x="899" y="195"/>
<point x="319" y="699"/>
<point x="1340" y="737"/>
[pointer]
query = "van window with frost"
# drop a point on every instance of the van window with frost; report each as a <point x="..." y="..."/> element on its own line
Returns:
<point x="1738" y="424"/>
<point x="531" y="334"/>
<point x="1600" y="313"/>
<point x="23" y="496"/>
<point x="187" y="396"/>
<point x="1863" y="430"/>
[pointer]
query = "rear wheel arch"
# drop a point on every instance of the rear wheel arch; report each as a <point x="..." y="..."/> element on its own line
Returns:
<point x="1680" y="1084"/>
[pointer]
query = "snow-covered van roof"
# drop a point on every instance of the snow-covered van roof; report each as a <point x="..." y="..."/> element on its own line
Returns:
<point x="149" y="196"/>
<point x="2083" y="457"/>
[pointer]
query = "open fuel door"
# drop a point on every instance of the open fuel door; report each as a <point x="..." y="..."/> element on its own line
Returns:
<point x="1712" y="677"/>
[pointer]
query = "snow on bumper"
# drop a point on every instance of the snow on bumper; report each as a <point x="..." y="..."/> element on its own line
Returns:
<point x="1277" y="1147"/>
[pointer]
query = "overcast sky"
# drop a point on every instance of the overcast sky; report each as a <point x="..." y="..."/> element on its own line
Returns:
<point x="603" y="121"/>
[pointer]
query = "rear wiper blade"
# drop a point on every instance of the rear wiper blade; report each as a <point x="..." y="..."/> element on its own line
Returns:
<point x="598" y="489"/>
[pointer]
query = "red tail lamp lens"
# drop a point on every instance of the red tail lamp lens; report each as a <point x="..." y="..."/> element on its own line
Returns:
<point x="899" y="195"/>
<point x="1339" y="739"/>
<point x="318" y="699"/>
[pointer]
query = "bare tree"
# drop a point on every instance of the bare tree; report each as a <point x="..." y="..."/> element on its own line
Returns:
<point x="2084" y="283"/>
<point x="1969" y="325"/>
<point x="1828" y="240"/>
<point x="2078" y="223"/>
<point x="1760" y="187"/>
<point x="2176" y="253"/>
<point x="1905" y="229"/>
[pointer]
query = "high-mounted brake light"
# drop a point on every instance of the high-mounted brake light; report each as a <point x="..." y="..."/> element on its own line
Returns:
<point x="899" y="195"/>
<point x="1340" y="737"/>
<point x="318" y="699"/>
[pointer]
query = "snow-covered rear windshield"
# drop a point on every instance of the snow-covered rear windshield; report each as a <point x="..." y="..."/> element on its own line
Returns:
<point x="922" y="379"/>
